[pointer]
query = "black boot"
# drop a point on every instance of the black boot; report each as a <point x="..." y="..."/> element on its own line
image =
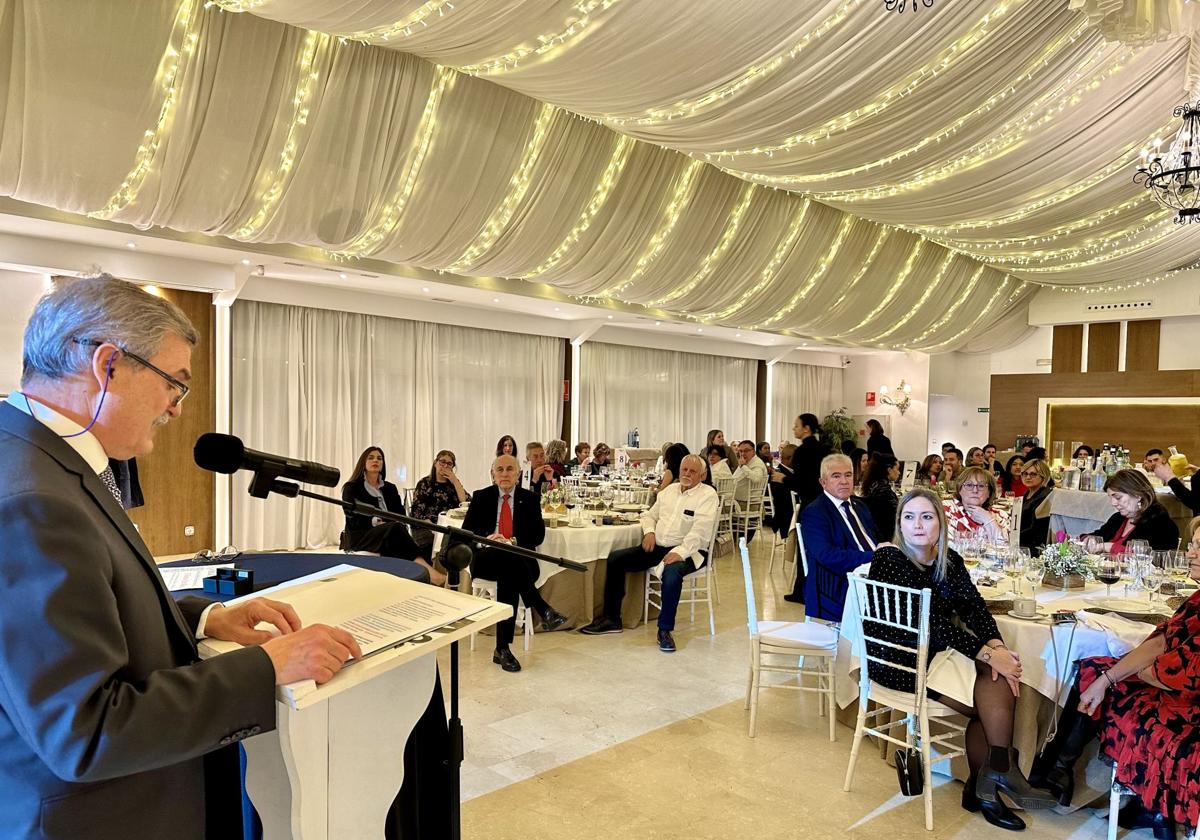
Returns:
<point x="1054" y="769"/>
<point x="1002" y="774"/>
<point x="1133" y="816"/>
<point x="997" y="813"/>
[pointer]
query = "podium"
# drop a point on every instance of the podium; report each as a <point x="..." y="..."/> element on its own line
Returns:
<point x="334" y="763"/>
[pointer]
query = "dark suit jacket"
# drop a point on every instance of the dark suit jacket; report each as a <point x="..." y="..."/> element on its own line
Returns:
<point x="781" y="497"/>
<point x="105" y="712"/>
<point x="354" y="491"/>
<point x="1191" y="498"/>
<point x="528" y="527"/>
<point x="806" y="463"/>
<point x="879" y="443"/>
<point x="1155" y="526"/>
<point x="832" y="551"/>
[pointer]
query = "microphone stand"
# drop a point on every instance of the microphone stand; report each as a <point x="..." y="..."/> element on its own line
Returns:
<point x="265" y="482"/>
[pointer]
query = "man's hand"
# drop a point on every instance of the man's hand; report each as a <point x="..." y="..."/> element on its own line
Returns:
<point x="648" y="542"/>
<point x="1164" y="472"/>
<point x="672" y="557"/>
<point x="314" y="653"/>
<point x="498" y="537"/>
<point x="237" y="623"/>
<point x="776" y="477"/>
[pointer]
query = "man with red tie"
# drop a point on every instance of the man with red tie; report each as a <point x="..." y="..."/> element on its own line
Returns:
<point x="508" y="513"/>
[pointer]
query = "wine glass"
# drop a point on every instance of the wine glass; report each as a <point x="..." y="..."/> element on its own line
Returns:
<point x="1010" y="565"/>
<point x="971" y="549"/>
<point x="1177" y="568"/>
<point x="1108" y="572"/>
<point x="1092" y="544"/>
<point x="1035" y="571"/>
<point x="1153" y="577"/>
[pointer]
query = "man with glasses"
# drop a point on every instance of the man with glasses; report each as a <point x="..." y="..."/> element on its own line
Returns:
<point x="106" y="712"/>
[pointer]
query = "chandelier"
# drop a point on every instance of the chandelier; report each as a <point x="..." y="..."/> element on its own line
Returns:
<point x="1173" y="176"/>
<point x="902" y="399"/>
<point x="900" y="5"/>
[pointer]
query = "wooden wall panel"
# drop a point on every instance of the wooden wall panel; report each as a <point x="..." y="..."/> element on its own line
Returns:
<point x="1068" y="349"/>
<point x="1137" y="427"/>
<point x="1141" y="345"/>
<point x="1014" y="397"/>
<point x="1104" y="347"/>
<point x="177" y="492"/>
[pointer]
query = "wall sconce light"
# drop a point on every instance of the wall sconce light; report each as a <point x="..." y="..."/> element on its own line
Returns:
<point x="902" y="398"/>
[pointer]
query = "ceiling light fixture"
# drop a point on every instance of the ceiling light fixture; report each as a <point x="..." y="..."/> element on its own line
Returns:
<point x="902" y="399"/>
<point x="898" y="6"/>
<point x="131" y="245"/>
<point x="1173" y="176"/>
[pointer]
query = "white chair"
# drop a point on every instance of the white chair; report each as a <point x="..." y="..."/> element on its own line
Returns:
<point x="779" y="544"/>
<point x="483" y="588"/>
<point x="725" y="513"/>
<point x="810" y="645"/>
<point x="884" y="605"/>
<point x="697" y="589"/>
<point x="748" y="515"/>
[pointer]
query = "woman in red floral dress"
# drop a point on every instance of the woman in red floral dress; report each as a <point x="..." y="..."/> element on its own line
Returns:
<point x="1145" y="707"/>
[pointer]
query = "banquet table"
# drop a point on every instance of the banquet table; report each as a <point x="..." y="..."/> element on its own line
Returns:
<point x="1081" y="512"/>
<point x="1048" y="653"/>
<point x="575" y="594"/>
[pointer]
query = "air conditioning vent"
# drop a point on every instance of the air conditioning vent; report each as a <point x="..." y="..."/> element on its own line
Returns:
<point x="296" y="264"/>
<point x="441" y="300"/>
<point x="1123" y="306"/>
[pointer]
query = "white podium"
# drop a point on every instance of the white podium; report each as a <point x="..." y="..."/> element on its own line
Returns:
<point x="335" y="762"/>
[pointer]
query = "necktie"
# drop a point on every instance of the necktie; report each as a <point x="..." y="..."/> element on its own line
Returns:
<point x="864" y="542"/>
<point x="505" y="529"/>
<point x="110" y="481"/>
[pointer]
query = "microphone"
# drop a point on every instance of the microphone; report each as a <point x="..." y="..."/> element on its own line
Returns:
<point x="227" y="454"/>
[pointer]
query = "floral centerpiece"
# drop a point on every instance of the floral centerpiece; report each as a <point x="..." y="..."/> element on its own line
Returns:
<point x="1067" y="564"/>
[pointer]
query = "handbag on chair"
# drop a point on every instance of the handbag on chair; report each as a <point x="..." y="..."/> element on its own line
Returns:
<point x="910" y="772"/>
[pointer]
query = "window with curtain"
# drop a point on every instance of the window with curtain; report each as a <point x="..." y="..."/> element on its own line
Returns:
<point x="667" y="394"/>
<point x="796" y="389"/>
<point x="324" y="385"/>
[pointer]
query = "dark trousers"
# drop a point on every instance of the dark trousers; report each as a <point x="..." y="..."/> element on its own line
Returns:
<point x="391" y="539"/>
<point x="515" y="577"/>
<point x="636" y="560"/>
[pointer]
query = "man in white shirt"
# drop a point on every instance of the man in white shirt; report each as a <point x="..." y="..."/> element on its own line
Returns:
<point x="678" y="531"/>
<point x="750" y="477"/>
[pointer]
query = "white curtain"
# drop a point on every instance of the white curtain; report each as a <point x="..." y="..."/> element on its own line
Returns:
<point x="323" y="386"/>
<point x="796" y="389"/>
<point x="668" y="395"/>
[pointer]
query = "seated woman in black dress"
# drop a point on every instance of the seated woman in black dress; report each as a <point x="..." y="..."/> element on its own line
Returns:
<point x="1035" y="530"/>
<point x="368" y="533"/>
<point x="882" y="471"/>
<point x="1139" y="515"/>
<point x="1145" y="708"/>
<point x="958" y="621"/>
<point x="436" y="493"/>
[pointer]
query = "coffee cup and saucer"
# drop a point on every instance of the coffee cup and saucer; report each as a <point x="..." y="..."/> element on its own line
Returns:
<point x="1026" y="609"/>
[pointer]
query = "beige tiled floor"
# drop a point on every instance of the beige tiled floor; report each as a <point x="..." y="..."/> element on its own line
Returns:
<point x="607" y="737"/>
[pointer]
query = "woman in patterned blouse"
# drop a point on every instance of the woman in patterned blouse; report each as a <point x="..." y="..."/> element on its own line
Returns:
<point x="970" y="512"/>
<point x="437" y="493"/>
<point x="959" y="621"/>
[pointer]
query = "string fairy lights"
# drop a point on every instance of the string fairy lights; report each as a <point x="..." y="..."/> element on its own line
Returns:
<point x="600" y="193"/>
<point x="518" y="186"/>
<point x="1015" y="260"/>
<point x="680" y="198"/>
<point x="767" y="276"/>
<point x="883" y="232"/>
<point x="985" y="314"/>
<point x="714" y="256"/>
<point x="306" y="79"/>
<point x="952" y="309"/>
<point x="930" y="289"/>
<point x="548" y="45"/>
<point x="181" y="46"/>
<point x="895" y="287"/>
<point x="369" y="241"/>
<point x="404" y="27"/>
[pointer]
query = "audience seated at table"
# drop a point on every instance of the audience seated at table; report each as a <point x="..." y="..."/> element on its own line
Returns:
<point x="601" y="456"/>
<point x="541" y="474"/>
<point x="661" y="461"/>
<point x="1188" y="496"/>
<point x="989" y="459"/>
<point x="839" y="536"/>
<point x="678" y="530"/>
<point x="976" y="656"/>
<point x="508" y="513"/>
<point x="1035" y="530"/>
<point x="1150" y="460"/>
<point x="971" y="511"/>
<point x="750" y="473"/>
<point x="583" y="455"/>
<point x="1010" y="479"/>
<point x="952" y="466"/>
<point x="858" y="457"/>
<point x="717" y="465"/>
<point x="1083" y="451"/>
<point x="673" y="455"/>
<point x="435" y="494"/>
<point x="1139" y="515"/>
<point x="877" y="441"/>
<point x="368" y="485"/>
<point x="764" y="454"/>
<point x="883" y="470"/>
<point x="1145" y="709"/>
<point x="975" y="457"/>
<point x="806" y="465"/>
<point x="507" y="445"/>
<point x="556" y="458"/>
<point x="716" y="436"/>
<point x="783" y="483"/>
<point x="929" y="474"/>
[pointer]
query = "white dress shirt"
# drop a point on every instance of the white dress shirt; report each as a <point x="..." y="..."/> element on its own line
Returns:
<point x="86" y="444"/>
<point x="720" y="470"/>
<point x="753" y="470"/>
<point x="683" y="519"/>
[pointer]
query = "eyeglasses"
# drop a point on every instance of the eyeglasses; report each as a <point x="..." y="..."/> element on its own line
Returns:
<point x="171" y="380"/>
<point x="446" y="463"/>
<point x="971" y="485"/>
<point x="1029" y="474"/>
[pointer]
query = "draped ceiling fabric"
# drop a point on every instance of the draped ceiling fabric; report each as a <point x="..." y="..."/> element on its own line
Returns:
<point x="820" y="169"/>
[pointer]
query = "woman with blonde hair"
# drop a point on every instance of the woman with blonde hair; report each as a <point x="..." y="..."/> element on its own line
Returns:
<point x="556" y="457"/>
<point x="969" y="650"/>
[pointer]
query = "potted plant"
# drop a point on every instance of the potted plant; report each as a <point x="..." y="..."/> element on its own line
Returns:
<point x="838" y="426"/>
<point x="1068" y="566"/>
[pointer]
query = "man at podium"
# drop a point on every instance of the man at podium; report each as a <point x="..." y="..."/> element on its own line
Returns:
<point x="107" y="716"/>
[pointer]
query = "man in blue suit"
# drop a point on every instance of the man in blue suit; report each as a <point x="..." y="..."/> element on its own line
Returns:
<point x="839" y="536"/>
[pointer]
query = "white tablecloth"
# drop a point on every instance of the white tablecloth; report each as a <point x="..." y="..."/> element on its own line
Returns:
<point x="1081" y="512"/>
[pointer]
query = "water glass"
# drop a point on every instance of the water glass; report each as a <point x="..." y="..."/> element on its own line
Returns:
<point x="1035" y="571"/>
<point x="1153" y="577"/>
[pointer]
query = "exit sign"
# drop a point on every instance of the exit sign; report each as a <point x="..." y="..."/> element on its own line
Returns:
<point x="983" y="410"/>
